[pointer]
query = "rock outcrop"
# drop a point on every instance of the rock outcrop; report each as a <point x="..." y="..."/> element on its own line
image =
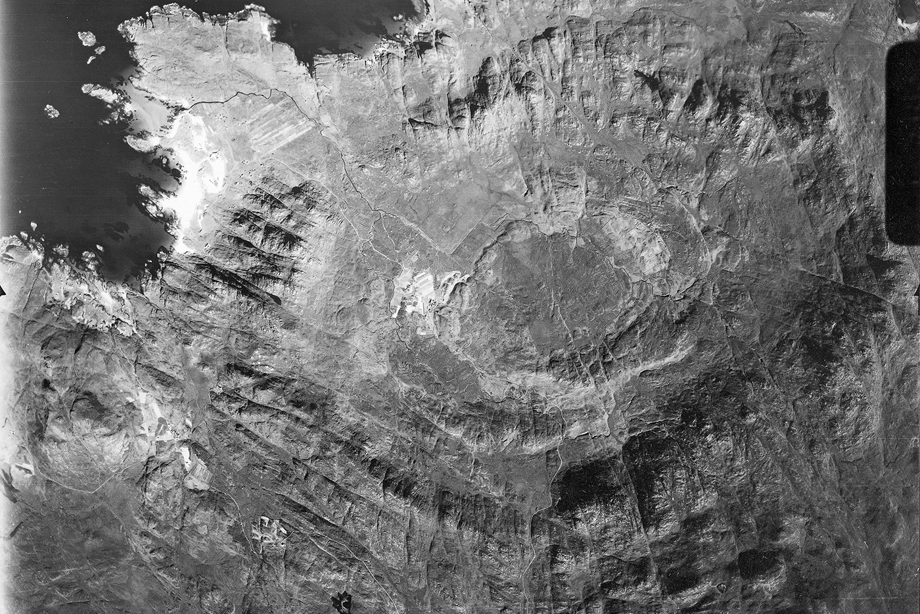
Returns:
<point x="551" y="307"/>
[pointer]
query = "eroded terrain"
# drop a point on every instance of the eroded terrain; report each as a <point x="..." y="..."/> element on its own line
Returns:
<point x="572" y="307"/>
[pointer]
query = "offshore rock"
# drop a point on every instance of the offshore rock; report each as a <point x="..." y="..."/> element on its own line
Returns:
<point x="552" y="307"/>
<point x="87" y="38"/>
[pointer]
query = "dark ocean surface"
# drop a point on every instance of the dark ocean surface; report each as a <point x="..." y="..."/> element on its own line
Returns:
<point x="74" y="176"/>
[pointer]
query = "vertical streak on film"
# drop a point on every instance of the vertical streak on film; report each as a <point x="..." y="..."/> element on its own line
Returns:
<point x="7" y="445"/>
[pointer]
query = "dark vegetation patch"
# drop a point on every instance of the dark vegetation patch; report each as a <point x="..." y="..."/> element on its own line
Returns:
<point x="342" y="602"/>
<point x="654" y="83"/>
<point x="729" y="101"/>
<point x="622" y="573"/>
<point x="487" y="87"/>
<point x="753" y="563"/>
<point x="695" y="98"/>
<point x="647" y="456"/>
<point x="593" y="484"/>
<point x="678" y="580"/>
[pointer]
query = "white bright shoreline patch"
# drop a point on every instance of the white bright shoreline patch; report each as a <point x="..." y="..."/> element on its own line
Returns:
<point x="196" y="152"/>
<point x="204" y="172"/>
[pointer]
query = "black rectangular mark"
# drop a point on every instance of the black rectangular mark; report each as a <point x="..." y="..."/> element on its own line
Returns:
<point x="902" y="145"/>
